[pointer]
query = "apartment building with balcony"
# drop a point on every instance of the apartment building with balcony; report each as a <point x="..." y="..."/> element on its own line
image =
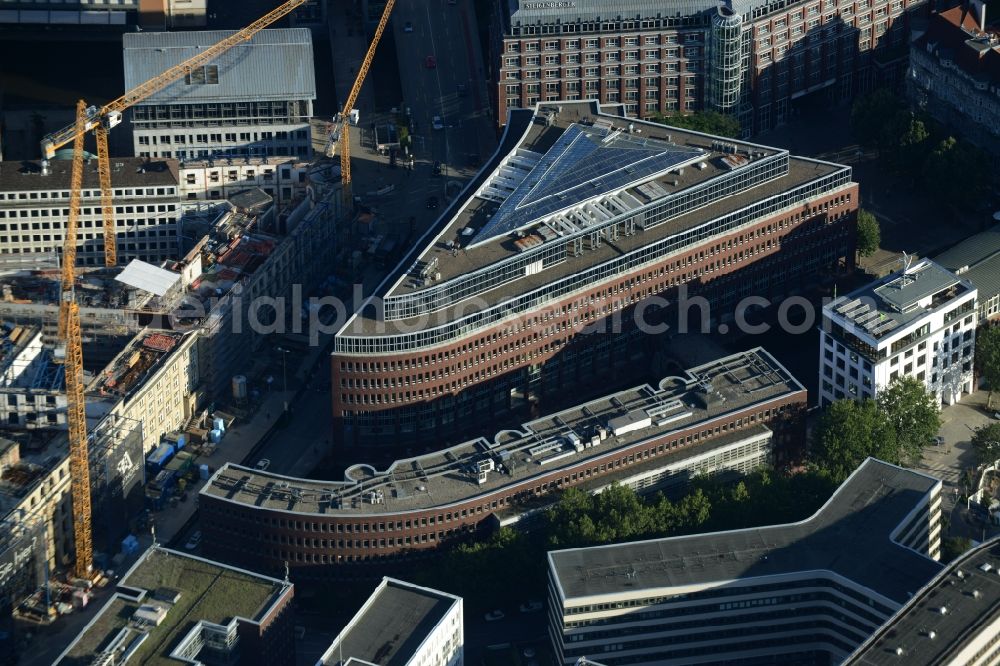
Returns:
<point x="954" y="74"/>
<point x="539" y="281"/>
<point x="919" y="322"/>
<point x="748" y="58"/>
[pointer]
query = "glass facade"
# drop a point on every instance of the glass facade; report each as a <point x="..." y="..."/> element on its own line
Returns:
<point x="725" y="59"/>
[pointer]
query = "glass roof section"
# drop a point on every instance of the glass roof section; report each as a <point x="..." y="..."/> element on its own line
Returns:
<point x="583" y="164"/>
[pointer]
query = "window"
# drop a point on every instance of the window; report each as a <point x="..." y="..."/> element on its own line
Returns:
<point x="209" y="74"/>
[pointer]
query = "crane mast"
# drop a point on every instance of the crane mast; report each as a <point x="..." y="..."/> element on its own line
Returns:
<point x="103" y="119"/>
<point x="70" y="338"/>
<point x="352" y="97"/>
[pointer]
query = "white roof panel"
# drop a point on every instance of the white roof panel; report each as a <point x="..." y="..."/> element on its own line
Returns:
<point x="148" y="277"/>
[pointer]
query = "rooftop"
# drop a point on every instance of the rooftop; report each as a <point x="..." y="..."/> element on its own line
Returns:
<point x="564" y="175"/>
<point x="189" y="588"/>
<point x="969" y="590"/>
<point x="960" y="35"/>
<point x="139" y="360"/>
<point x="391" y="625"/>
<point x="899" y="299"/>
<point x="452" y="475"/>
<point x="977" y="259"/>
<point x="850" y="535"/>
<point x="275" y="64"/>
<point x="27" y="176"/>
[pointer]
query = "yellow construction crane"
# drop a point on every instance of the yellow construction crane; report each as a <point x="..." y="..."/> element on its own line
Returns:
<point x="342" y="122"/>
<point x="72" y="356"/>
<point x="71" y="347"/>
<point x="102" y="119"/>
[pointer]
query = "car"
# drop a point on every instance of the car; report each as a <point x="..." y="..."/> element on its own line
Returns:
<point x="263" y="464"/>
<point x="408" y="27"/>
<point x="430" y="62"/>
<point x="494" y="615"/>
<point x="432" y="203"/>
<point x="531" y="606"/>
<point x="437" y="123"/>
<point x="194" y="541"/>
<point x="996" y="415"/>
<point x="938" y="441"/>
<point x="437" y="169"/>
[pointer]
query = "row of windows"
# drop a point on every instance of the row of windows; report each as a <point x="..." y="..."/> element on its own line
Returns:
<point x="596" y="274"/>
<point x="93" y="194"/>
<point x="229" y="514"/>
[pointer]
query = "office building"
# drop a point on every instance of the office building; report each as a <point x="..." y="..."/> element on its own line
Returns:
<point x="750" y="59"/>
<point x="401" y="624"/>
<point x="977" y="259"/>
<point x="801" y="593"/>
<point x="728" y="416"/>
<point x="954" y="619"/>
<point x="171" y="606"/>
<point x="955" y="74"/>
<point x="32" y="387"/>
<point x="154" y="382"/>
<point x="254" y="99"/>
<point x="34" y="205"/>
<point x="172" y="14"/>
<point x="68" y="12"/>
<point x="545" y="275"/>
<point x="282" y="178"/>
<point x="919" y="322"/>
<point x="36" y="511"/>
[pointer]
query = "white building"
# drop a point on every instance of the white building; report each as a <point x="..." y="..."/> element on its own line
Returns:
<point x="34" y="205"/>
<point x="806" y="592"/>
<point x="283" y="178"/>
<point x="919" y="322"/>
<point x="254" y="99"/>
<point x="402" y="624"/>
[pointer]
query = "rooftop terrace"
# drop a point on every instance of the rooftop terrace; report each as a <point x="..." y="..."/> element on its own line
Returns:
<point x="556" y="185"/>
<point x="558" y="440"/>
<point x="850" y="535"/>
<point x="391" y="625"/>
<point x="968" y="590"/>
<point x="883" y="306"/>
<point x="188" y="588"/>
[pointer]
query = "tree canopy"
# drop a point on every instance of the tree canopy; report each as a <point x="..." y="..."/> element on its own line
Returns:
<point x="988" y="356"/>
<point x="848" y="432"/>
<point x="913" y="414"/>
<point x="869" y="233"/>
<point x="708" y="122"/>
<point x="986" y="442"/>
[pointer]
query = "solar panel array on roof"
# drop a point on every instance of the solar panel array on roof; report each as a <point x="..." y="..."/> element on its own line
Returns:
<point x="583" y="164"/>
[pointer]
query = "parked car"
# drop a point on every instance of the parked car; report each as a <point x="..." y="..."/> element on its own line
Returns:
<point x="430" y="62"/>
<point x="938" y="441"/>
<point x="437" y="168"/>
<point x="531" y="606"/>
<point x="494" y="615"/>
<point x="408" y="27"/>
<point x="263" y="464"/>
<point x="437" y="123"/>
<point x="432" y="203"/>
<point x="194" y="541"/>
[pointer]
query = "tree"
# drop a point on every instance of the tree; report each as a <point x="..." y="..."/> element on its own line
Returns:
<point x="869" y="115"/>
<point x="957" y="172"/>
<point x="988" y="357"/>
<point x="849" y="432"/>
<point x="707" y="122"/>
<point x="913" y="413"/>
<point x="869" y="233"/>
<point x="986" y="442"/>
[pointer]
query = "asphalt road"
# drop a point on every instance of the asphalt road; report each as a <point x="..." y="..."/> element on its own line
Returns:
<point x="446" y="34"/>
